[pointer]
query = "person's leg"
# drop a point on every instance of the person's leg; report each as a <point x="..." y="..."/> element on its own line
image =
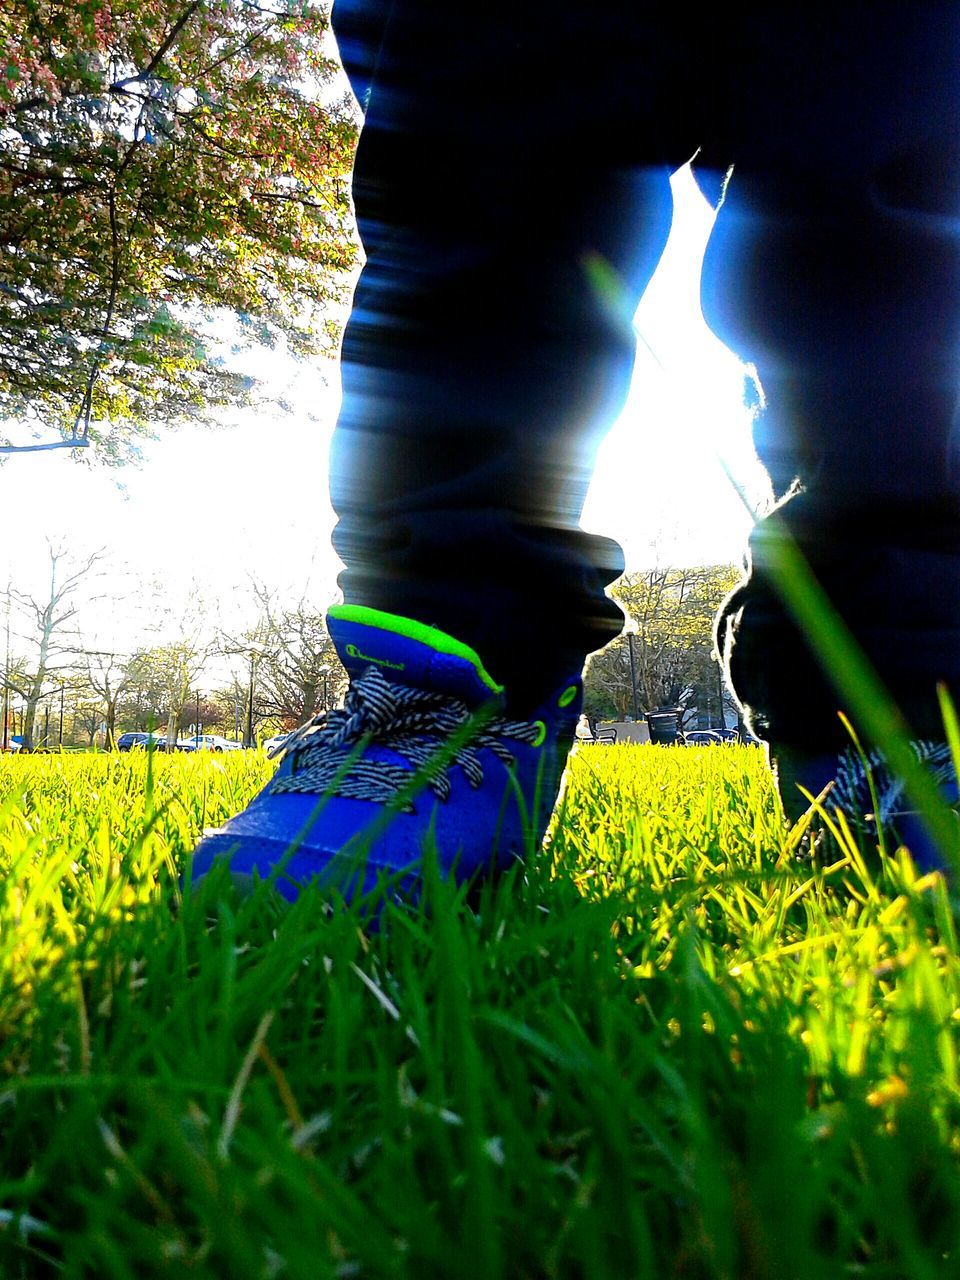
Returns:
<point x="508" y="237"/>
<point x="835" y="268"/>
<point x="513" y="203"/>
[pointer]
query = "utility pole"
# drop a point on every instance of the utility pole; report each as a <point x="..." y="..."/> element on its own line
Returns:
<point x="61" y="714"/>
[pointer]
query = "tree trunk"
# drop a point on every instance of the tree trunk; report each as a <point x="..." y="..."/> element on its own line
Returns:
<point x="308" y="706"/>
<point x="30" y="716"/>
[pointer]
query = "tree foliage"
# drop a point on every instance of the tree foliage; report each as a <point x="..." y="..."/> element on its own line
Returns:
<point x="171" y="672"/>
<point x="163" y="162"/>
<point x="141" y="705"/>
<point x="298" y="672"/>
<point x="671" y="613"/>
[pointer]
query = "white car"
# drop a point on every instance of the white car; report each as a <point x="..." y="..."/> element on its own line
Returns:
<point x="272" y="745"/>
<point x="211" y="742"/>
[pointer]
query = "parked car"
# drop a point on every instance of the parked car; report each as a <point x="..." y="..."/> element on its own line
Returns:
<point x="211" y="742"/>
<point x="181" y="744"/>
<point x="702" y="738"/>
<point x="273" y="745"/>
<point x="128" y="740"/>
<point x="151" y="742"/>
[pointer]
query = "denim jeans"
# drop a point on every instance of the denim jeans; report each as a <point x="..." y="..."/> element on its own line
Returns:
<point x="513" y="199"/>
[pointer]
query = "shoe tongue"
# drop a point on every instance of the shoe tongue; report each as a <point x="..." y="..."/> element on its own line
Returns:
<point x="410" y="653"/>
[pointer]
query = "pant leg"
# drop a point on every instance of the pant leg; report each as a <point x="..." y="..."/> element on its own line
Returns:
<point x="510" y="221"/>
<point x="835" y="268"/>
<point x="482" y="363"/>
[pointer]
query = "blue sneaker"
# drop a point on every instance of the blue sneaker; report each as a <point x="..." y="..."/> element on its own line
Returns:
<point x="421" y="755"/>
<point x="871" y="796"/>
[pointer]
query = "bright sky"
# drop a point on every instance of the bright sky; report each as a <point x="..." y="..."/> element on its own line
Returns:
<point x="668" y="472"/>
<point x="206" y="509"/>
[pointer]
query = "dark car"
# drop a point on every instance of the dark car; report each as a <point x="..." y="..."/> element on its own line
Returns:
<point x="137" y="741"/>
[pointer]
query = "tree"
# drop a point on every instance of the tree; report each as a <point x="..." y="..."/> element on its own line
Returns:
<point x="229" y="709"/>
<point x="674" y="663"/>
<point x="140" y="702"/>
<point x="162" y="163"/>
<point x="216" y="716"/>
<point x="87" y="718"/>
<point x="109" y="676"/>
<point x="47" y="622"/>
<point x="298" y="672"/>
<point x="174" y="669"/>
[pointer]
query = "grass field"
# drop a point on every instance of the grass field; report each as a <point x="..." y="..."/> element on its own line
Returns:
<point x="668" y="1047"/>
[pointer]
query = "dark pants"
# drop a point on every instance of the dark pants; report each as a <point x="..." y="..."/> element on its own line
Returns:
<point x="512" y="191"/>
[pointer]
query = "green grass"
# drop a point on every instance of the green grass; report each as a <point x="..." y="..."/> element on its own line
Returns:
<point x="667" y="1047"/>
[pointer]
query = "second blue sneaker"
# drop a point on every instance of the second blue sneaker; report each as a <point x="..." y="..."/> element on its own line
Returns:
<point x="422" y="755"/>
<point x="871" y="796"/>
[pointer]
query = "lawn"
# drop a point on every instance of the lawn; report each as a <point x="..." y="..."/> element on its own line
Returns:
<point x="672" y="1045"/>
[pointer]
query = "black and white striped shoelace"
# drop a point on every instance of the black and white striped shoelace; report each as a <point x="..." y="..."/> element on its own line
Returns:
<point x="851" y="790"/>
<point x="413" y="723"/>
